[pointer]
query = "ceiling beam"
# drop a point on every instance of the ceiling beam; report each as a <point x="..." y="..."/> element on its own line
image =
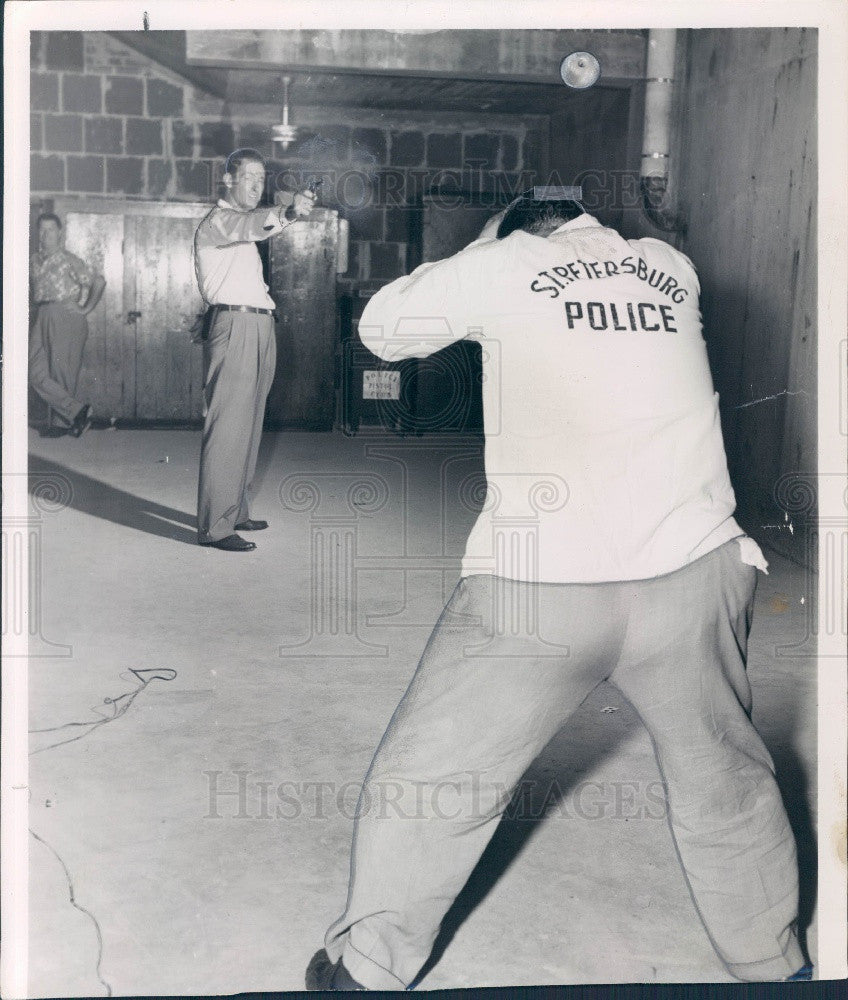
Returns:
<point x="503" y="55"/>
<point x="168" y="48"/>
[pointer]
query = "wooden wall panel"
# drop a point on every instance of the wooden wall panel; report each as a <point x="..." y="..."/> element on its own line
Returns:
<point x="145" y="369"/>
<point x="107" y="377"/>
<point x="129" y="287"/>
<point x="168" y="366"/>
<point x="303" y="284"/>
<point x="152" y="260"/>
<point x="744" y="166"/>
<point x="591" y="146"/>
<point x="185" y="372"/>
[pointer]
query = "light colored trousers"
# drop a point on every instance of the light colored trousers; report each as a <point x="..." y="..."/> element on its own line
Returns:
<point x="56" y="344"/>
<point x="473" y="719"/>
<point x="239" y="357"/>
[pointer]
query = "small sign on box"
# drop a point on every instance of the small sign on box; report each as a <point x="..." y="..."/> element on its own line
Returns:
<point x="381" y="385"/>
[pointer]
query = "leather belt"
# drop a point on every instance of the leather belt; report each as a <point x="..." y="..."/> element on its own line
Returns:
<point x="245" y="309"/>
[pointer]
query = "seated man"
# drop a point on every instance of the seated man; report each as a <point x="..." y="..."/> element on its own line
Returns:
<point x="605" y="550"/>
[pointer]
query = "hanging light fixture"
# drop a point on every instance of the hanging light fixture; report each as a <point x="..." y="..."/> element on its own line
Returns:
<point x="580" y="70"/>
<point x="285" y="133"/>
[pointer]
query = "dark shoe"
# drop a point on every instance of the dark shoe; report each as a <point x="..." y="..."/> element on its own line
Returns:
<point x="82" y="421"/>
<point x="232" y="543"/>
<point x="251" y="525"/>
<point x="322" y="975"/>
<point x="804" y="974"/>
<point x="53" y="432"/>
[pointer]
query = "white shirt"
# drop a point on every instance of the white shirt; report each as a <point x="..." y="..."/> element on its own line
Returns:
<point x="227" y="263"/>
<point x="604" y="455"/>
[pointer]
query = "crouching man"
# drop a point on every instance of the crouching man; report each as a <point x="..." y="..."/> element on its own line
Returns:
<point x="607" y="532"/>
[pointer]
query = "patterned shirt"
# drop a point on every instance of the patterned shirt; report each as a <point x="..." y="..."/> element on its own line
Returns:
<point x="59" y="276"/>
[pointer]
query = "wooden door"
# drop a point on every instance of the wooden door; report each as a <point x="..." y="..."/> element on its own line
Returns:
<point x="140" y="363"/>
<point x="451" y="222"/>
<point x="302" y="279"/>
<point x="447" y="386"/>
<point x="596" y="144"/>
<point x="107" y="379"/>
<point x="168" y="366"/>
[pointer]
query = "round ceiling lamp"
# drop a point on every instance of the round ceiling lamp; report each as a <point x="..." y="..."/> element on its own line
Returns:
<point x="580" y="70"/>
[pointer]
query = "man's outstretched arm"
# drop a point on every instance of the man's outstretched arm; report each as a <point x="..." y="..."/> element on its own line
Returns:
<point x="423" y="312"/>
<point x="227" y="226"/>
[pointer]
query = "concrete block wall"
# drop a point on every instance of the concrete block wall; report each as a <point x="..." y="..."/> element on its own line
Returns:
<point x="108" y="122"/>
<point x="103" y="121"/>
<point x="375" y="170"/>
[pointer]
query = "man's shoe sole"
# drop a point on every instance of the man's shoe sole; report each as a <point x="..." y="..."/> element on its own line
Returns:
<point x="225" y="545"/>
<point x="323" y="976"/>
<point x="319" y="973"/>
<point x="803" y="975"/>
<point x="80" y="426"/>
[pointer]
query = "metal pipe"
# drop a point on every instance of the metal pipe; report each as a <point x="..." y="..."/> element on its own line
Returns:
<point x="342" y="256"/>
<point x="659" y="89"/>
<point x="659" y="83"/>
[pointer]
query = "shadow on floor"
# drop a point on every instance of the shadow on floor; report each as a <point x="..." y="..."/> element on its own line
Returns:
<point x="794" y="781"/>
<point x="93" y="496"/>
<point x="544" y="786"/>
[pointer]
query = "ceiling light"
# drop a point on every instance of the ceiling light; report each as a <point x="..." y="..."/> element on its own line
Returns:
<point x="580" y="70"/>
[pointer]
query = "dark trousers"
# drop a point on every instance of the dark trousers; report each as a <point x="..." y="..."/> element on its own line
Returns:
<point x="239" y="359"/>
<point x="56" y="345"/>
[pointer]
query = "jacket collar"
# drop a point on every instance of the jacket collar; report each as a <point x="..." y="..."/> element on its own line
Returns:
<point x="584" y="221"/>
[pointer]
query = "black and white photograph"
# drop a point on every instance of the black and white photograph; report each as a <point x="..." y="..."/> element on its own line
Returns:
<point x="425" y="520"/>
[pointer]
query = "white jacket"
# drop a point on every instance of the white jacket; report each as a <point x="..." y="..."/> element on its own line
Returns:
<point x="604" y="455"/>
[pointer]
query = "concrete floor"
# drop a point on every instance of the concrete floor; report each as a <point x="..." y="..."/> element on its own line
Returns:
<point x="178" y="891"/>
